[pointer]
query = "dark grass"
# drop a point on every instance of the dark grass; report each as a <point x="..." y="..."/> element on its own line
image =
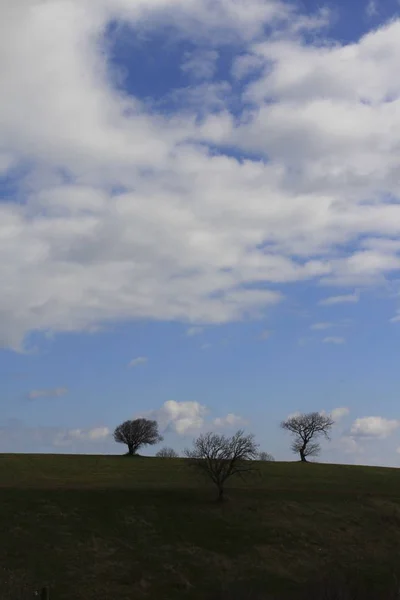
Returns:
<point x="113" y="527"/>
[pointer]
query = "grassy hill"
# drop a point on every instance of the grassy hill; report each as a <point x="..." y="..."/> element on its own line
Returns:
<point x="118" y="528"/>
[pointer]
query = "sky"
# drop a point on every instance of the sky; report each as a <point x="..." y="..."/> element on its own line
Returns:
<point x="199" y="222"/>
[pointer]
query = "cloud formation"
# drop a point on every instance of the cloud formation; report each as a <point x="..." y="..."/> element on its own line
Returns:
<point x="191" y="331"/>
<point x="334" y="340"/>
<point x="140" y="360"/>
<point x="66" y="438"/>
<point x="231" y="420"/>
<point x="181" y="417"/>
<point x="347" y="298"/>
<point x="131" y="213"/>
<point x="339" y="413"/>
<point x="190" y="418"/>
<point x="48" y="393"/>
<point x="378" y="427"/>
<point x="321" y="326"/>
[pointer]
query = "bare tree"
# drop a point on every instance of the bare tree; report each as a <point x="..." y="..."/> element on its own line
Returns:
<point x="306" y="428"/>
<point x="167" y="453"/>
<point x="137" y="433"/>
<point x="220" y="457"/>
<point x="265" y="456"/>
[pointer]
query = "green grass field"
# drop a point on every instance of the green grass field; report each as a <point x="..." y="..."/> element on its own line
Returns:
<point x="96" y="527"/>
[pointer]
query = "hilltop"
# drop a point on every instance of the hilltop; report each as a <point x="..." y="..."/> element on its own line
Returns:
<point x="109" y="527"/>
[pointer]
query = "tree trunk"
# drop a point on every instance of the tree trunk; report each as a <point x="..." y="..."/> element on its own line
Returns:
<point x="131" y="450"/>
<point x="220" y="494"/>
<point x="302" y="454"/>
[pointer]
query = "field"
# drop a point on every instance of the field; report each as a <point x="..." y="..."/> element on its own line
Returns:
<point x="108" y="528"/>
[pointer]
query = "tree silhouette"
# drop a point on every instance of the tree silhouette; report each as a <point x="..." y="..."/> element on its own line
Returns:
<point x="306" y="428"/>
<point x="220" y="457"/>
<point x="137" y="433"/>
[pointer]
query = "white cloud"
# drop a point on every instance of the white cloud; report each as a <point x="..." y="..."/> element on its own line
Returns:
<point x="140" y="360"/>
<point x="230" y="420"/>
<point x="321" y="326"/>
<point x="396" y="318"/>
<point x="66" y="438"/>
<point x="346" y="298"/>
<point x="339" y="413"/>
<point x="194" y="331"/>
<point x="48" y="393"/>
<point x="334" y="340"/>
<point x="182" y="417"/>
<point x="374" y="427"/>
<point x="193" y="233"/>
<point x="190" y="418"/>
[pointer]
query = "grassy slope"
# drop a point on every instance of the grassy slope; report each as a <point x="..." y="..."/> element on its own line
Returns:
<point x="114" y="527"/>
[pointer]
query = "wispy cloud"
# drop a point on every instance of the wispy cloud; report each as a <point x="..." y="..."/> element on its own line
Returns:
<point x="396" y="318"/>
<point x="339" y="413"/>
<point x="140" y="360"/>
<point x="48" y="393"/>
<point x="371" y="9"/>
<point x="96" y="434"/>
<point x="265" y="335"/>
<point x="321" y="326"/>
<point x="200" y="64"/>
<point x="334" y="340"/>
<point x="194" y="331"/>
<point x="347" y="298"/>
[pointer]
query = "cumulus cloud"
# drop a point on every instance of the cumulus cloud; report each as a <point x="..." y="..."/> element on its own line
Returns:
<point x="334" y="340"/>
<point x="231" y="420"/>
<point x="48" y="393"/>
<point x="346" y="298"/>
<point x="377" y="427"/>
<point x="129" y="213"/>
<point x="190" y="418"/>
<point x="181" y="417"/>
<point x="140" y="360"/>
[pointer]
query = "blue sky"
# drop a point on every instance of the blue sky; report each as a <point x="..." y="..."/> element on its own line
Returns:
<point x="199" y="221"/>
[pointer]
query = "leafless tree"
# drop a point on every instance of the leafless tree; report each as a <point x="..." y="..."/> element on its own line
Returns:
<point x="167" y="453"/>
<point x="220" y="457"/>
<point x="137" y="433"/>
<point x="306" y="428"/>
<point x="265" y="456"/>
